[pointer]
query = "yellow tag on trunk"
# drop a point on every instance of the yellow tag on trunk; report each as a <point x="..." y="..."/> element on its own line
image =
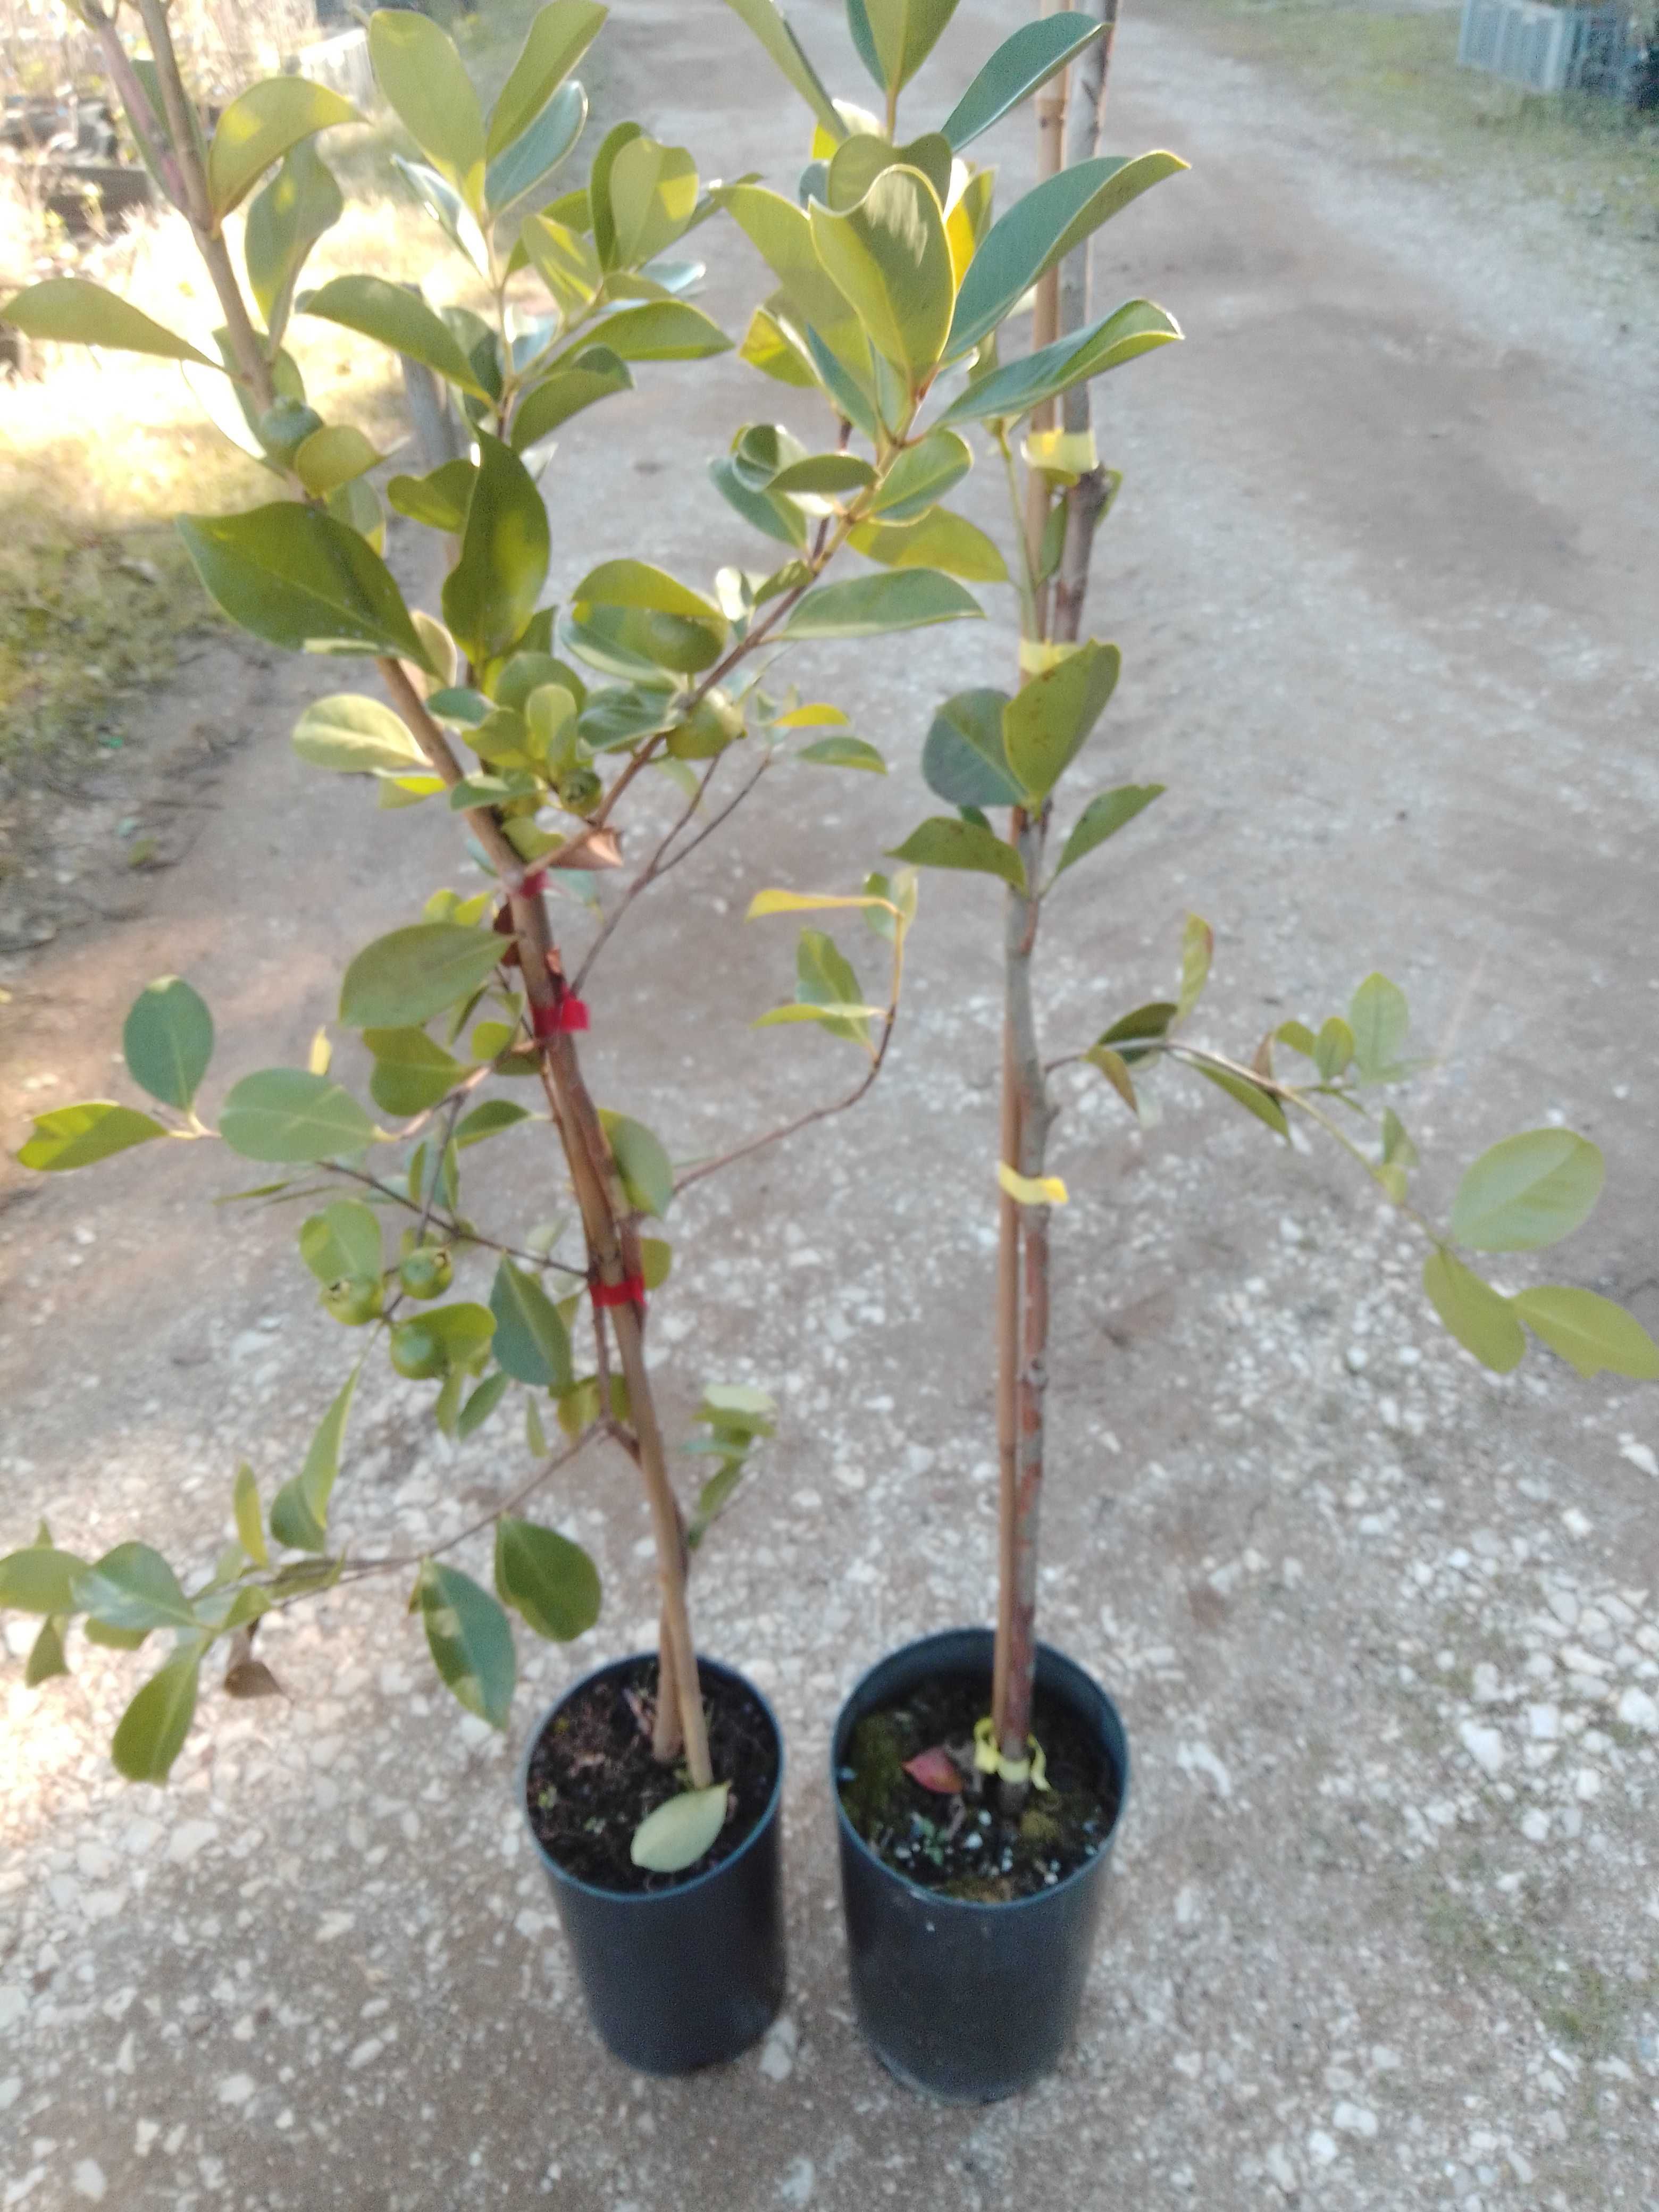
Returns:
<point x="1032" y="1190"/>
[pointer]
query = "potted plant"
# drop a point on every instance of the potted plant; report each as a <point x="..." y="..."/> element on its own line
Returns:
<point x="981" y="1775"/>
<point x="652" y="1788"/>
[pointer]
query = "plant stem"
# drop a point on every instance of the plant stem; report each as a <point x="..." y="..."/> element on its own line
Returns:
<point x="1045" y="318"/>
<point x="1087" y="497"/>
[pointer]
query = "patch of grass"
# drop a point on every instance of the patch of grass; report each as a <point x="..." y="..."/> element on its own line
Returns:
<point x="1582" y="2008"/>
<point x="1398" y="73"/>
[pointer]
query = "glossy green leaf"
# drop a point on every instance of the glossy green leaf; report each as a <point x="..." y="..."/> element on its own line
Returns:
<point x="411" y="1072"/>
<point x="447" y="209"/>
<point x="637" y="584"/>
<point x="1013" y="389"/>
<point x="114" y="1639"/>
<point x="904" y="33"/>
<point x="285" y="1114"/>
<point x="781" y="234"/>
<point x="789" y="57"/>
<point x="545" y="1577"/>
<point x="1528" y="1191"/>
<point x="842" y="752"/>
<point x="680" y="1831"/>
<point x="481" y="1402"/>
<point x="825" y="978"/>
<point x="1047" y="722"/>
<point x="41" y="1578"/>
<point x="922" y="474"/>
<point x="78" y="1136"/>
<point x="566" y="261"/>
<point x="778" y="519"/>
<point x="1039" y="230"/>
<point x="662" y="330"/>
<point x="489" y="1120"/>
<point x="648" y="1176"/>
<point x="866" y="606"/>
<point x="1398" y="1149"/>
<point x="259" y="126"/>
<point x="890" y="259"/>
<point x="245" y="1501"/>
<point x="1261" y="1104"/>
<point x="1379" y="1018"/>
<point x="1103" y="816"/>
<point x="299" y="1511"/>
<point x="1482" y="1321"/>
<point x="300" y="205"/>
<point x="1027" y="59"/>
<point x="559" y="35"/>
<point x="46" y="1656"/>
<point x="941" y="540"/>
<point x="656" y="1261"/>
<point x="491" y="594"/>
<point x="770" y="348"/>
<point x="343" y="1240"/>
<point x="69" y="310"/>
<point x="300" y="580"/>
<point x="132" y="1587"/>
<point x="1112" y="1066"/>
<point x="654" y="196"/>
<point x="527" y="165"/>
<point x="167" y="1040"/>
<point x="418" y="70"/>
<point x="944" y="843"/>
<point x="403" y="979"/>
<point x="1130" y="1035"/>
<point x="332" y="458"/>
<point x="826" y="476"/>
<point x="964" y="760"/>
<point x="470" y="1640"/>
<point x="1332" y="1048"/>
<point x="1592" y="1333"/>
<point x="861" y="159"/>
<point x="394" y="316"/>
<point x="355" y="735"/>
<point x="440" y="499"/>
<point x="1197" y="950"/>
<point x="531" y="1341"/>
<point x="150" y="1734"/>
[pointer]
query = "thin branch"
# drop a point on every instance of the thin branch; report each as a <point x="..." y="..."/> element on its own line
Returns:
<point x="463" y="1235"/>
<point x="544" y="1473"/>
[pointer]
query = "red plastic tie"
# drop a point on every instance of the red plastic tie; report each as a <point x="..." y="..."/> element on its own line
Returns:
<point x="573" y="1012"/>
<point x="630" y="1293"/>
<point x="534" y="883"/>
<point x="545" y="1021"/>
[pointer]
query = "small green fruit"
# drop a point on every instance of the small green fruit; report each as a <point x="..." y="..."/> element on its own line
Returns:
<point x="417" y="1352"/>
<point x="714" y="723"/>
<point x="426" y="1274"/>
<point x="284" y="427"/>
<point x="353" y="1300"/>
<point x="579" y="790"/>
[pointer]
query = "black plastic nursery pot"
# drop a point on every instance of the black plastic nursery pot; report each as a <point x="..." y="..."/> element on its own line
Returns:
<point x="971" y="2002"/>
<point x="688" y="1975"/>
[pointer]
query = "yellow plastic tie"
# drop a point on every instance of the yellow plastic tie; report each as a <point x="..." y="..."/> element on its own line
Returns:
<point x="989" y="1761"/>
<point x="1037" y="655"/>
<point x="1062" y="456"/>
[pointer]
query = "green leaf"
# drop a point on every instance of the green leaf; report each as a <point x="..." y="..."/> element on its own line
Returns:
<point x="842" y="752"/>
<point x="566" y="261"/>
<point x="488" y="1121"/>
<point x="768" y="347"/>
<point x="470" y="1639"/>
<point x="260" y="126"/>
<point x="1103" y="816"/>
<point x="299" y="1511"/>
<point x="131" y="1588"/>
<point x="654" y="195"/>
<point x="355" y="736"/>
<point x="648" y="1176"/>
<point x="637" y="584"/>
<point x="418" y="70"/>
<point x="244" y="1500"/>
<point x="825" y="979"/>
<point x="394" y="316"/>
<point x="69" y="310"/>
<point x="151" y="1735"/>
<point x="1197" y="949"/>
<point x="300" y="205"/>
<point x="1590" y="1332"/>
<point x="1034" y="52"/>
<point x="1039" y="231"/>
<point x="482" y="1402"/>
<point x="678" y="1833"/>
<point x="1397" y="1147"/>
<point x="167" y="1041"/>
<point x="866" y="606"/>
<point x="76" y="1136"/>
<point x="963" y="759"/>
<point x="1015" y="389"/>
<point x="332" y="458"/>
<point x="528" y="163"/>
<point x="890" y="258"/>
<point x="440" y="500"/>
<point x="343" y="1240"/>
<point x="840" y="1017"/>
<point x="662" y="330"/>
<point x="789" y="57"/>
<point x="1332" y="1048"/>
<point x="781" y="234"/>
<point x="830" y="476"/>
<point x="904" y="33"/>
<point x="921" y="474"/>
<point x="1482" y="1321"/>
<point x="551" y="1582"/>
<point x="531" y="1341"/>
<point x="299" y="579"/>
<point x="944" y="843"/>
<point x="1261" y="1104"/>
<point x="1380" y="1020"/>
<point x="46" y="1656"/>
<point x="491" y="594"/>
<point x="939" y="540"/>
<point x="285" y="1114"/>
<point x="1047" y="722"/>
<point x="411" y="1072"/>
<point x="1528" y="1191"/>
<point x="779" y="518"/>
<point x="1112" y="1066"/>
<point x="559" y="35"/>
<point x="403" y="979"/>
<point x="39" y="1579"/>
<point x="592" y="375"/>
<point x="861" y="159"/>
<point x="1155" y="1020"/>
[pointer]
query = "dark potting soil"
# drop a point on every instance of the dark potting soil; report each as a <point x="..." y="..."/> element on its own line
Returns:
<point x="959" y="1842"/>
<point x="592" y="1778"/>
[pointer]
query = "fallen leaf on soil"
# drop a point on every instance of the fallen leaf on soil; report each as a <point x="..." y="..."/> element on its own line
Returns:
<point x="935" y="1770"/>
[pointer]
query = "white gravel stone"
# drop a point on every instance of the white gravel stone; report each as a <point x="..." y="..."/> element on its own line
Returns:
<point x="236" y="2088"/>
<point x="1321" y="2148"/>
<point x="88" y="2180"/>
<point x="1535" y="1826"/>
<point x="1639" y="1711"/>
<point x="1279" y="2164"/>
<point x="1485" y="1746"/>
<point x="1355" y="2120"/>
<point x="1543" y="1723"/>
<point x="777" y="2057"/>
<point x="191" y="1837"/>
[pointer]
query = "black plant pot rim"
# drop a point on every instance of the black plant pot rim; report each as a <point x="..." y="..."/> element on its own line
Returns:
<point x="1003" y="1906"/>
<point x="642" y="1899"/>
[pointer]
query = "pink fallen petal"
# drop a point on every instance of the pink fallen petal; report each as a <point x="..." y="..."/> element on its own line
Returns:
<point x="935" y="1770"/>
